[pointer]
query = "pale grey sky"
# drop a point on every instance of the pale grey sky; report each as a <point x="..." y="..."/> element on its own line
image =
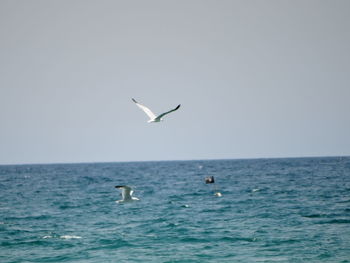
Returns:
<point x="255" y="79"/>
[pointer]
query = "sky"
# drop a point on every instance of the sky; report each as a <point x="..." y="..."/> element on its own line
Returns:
<point x="255" y="79"/>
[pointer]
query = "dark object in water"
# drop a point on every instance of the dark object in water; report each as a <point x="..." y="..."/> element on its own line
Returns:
<point x="209" y="180"/>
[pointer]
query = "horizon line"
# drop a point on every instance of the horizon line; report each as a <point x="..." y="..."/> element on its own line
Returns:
<point x="177" y="160"/>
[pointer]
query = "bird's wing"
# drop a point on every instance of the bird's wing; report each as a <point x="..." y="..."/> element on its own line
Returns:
<point x="145" y="109"/>
<point x="126" y="192"/>
<point x="165" y="113"/>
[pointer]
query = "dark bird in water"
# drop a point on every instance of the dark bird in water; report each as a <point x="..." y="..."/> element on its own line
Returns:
<point x="209" y="180"/>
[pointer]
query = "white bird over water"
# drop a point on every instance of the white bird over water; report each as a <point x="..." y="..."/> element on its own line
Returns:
<point x="151" y="115"/>
<point x="126" y="194"/>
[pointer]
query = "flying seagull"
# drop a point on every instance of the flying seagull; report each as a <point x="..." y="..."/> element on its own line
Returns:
<point x="126" y="194"/>
<point x="151" y="115"/>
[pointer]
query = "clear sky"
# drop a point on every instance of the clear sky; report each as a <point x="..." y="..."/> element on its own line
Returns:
<point x="255" y="79"/>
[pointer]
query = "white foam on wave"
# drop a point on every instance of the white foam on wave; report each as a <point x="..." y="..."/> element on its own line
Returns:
<point x="70" y="237"/>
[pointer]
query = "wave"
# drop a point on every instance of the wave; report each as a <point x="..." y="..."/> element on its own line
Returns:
<point x="335" y="221"/>
<point x="331" y="215"/>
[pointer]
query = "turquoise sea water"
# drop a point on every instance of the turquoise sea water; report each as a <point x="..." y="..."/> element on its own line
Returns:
<point x="271" y="210"/>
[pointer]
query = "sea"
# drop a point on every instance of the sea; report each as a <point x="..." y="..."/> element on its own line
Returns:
<point x="270" y="210"/>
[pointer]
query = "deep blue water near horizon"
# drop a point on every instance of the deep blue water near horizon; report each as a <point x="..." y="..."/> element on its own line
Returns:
<point x="271" y="210"/>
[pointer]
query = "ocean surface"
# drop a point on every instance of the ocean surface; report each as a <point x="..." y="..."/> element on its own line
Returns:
<point x="271" y="210"/>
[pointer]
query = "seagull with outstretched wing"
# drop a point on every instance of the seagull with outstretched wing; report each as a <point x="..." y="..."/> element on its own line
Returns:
<point x="126" y="194"/>
<point x="151" y="115"/>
